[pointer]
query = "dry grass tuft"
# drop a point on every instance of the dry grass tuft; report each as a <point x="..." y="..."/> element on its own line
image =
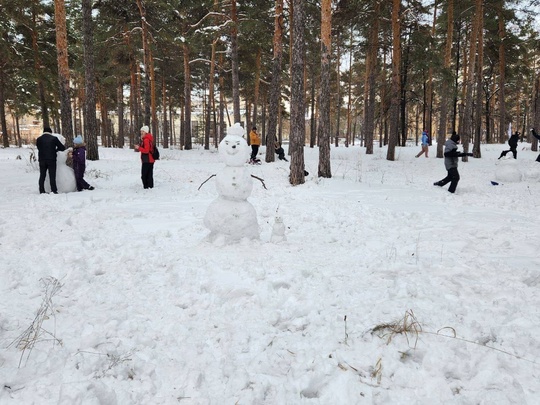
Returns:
<point x="407" y="326"/>
<point x="35" y="332"/>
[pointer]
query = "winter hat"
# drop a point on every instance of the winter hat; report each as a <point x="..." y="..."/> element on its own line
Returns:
<point x="455" y="137"/>
<point x="145" y="129"/>
<point x="47" y="130"/>
<point x="77" y="140"/>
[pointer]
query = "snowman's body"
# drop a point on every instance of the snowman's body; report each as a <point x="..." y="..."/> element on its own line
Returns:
<point x="65" y="177"/>
<point x="231" y="217"/>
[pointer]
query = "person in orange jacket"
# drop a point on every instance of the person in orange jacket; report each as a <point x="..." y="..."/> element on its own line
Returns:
<point x="145" y="147"/>
<point x="255" y="142"/>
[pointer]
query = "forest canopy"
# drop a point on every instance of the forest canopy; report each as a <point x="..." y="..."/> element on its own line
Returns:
<point x="372" y="72"/>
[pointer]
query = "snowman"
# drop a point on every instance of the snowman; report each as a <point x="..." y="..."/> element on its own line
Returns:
<point x="230" y="217"/>
<point x="65" y="177"/>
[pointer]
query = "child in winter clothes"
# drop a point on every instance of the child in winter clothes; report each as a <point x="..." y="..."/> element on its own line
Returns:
<point x="425" y="144"/>
<point x="512" y="142"/>
<point x="451" y="156"/>
<point x="79" y="164"/>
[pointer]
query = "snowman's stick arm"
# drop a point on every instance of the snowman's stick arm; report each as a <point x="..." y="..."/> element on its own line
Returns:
<point x="261" y="180"/>
<point x="205" y="181"/>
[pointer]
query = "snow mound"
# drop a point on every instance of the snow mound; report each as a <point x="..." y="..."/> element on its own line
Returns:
<point x="533" y="173"/>
<point x="508" y="171"/>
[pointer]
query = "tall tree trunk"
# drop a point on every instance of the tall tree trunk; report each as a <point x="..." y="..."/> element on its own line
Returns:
<point x="324" y="103"/>
<point x="120" y="112"/>
<point x="298" y="122"/>
<point x="134" y="105"/>
<point x="395" y="93"/>
<point x="348" y="136"/>
<point x="89" y="108"/>
<point x="275" y="86"/>
<point x="165" y="126"/>
<point x="371" y="76"/>
<point x="338" y="92"/>
<point x="257" y="86"/>
<point x="428" y="122"/>
<point x="153" y="96"/>
<point x="447" y="79"/>
<point x="187" y="98"/>
<point x="38" y="69"/>
<point x="312" y="121"/>
<point x="473" y="47"/>
<point x="536" y="112"/>
<point x="479" y="85"/>
<point x="502" y="74"/>
<point x="63" y="70"/>
<point x="403" y="91"/>
<point x="234" y="63"/>
<point x="211" y="104"/>
<point x="146" y="63"/>
<point x="222" y="105"/>
<point x="3" y="121"/>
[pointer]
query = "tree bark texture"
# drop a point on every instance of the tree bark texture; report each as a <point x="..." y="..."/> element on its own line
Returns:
<point x="324" y="103"/>
<point x="89" y="108"/>
<point x="298" y="122"/>
<point x="446" y="82"/>
<point x="395" y="89"/>
<point x="275" y="86"/>
<point x="371" y="77"/>
<point x="234" y="63"/>
<point x="63" y="70"/>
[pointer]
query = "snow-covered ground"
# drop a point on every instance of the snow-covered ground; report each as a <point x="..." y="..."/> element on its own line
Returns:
<point x="387" y="290"/>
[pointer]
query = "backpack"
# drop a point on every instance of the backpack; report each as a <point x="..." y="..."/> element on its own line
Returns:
<point x="155" y="152"/>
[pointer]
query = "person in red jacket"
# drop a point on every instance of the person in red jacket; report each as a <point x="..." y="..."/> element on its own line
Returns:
<point x="145" y="147"/>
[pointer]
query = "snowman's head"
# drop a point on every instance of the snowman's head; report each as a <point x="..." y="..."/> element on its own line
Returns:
<point x="60" y="137"/>
<point x="234" y="150"/>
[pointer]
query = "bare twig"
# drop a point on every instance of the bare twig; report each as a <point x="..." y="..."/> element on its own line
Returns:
<point x="261" y="180"/>
<point x="205" y="181"/>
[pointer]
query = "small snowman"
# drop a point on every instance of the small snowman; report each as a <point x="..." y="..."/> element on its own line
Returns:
<point x="278" y="231"/>
<point x="230" y="217"/>
<point x="65" y="177"/>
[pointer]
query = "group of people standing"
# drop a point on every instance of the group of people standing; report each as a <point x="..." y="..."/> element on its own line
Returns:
<point x="255" y="142"/>
<point x="48" y="146"/>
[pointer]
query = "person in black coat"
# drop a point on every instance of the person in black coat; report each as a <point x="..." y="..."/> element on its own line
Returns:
<point x="279" y="150"/>
<point x="512" y="142"/>
<point x="47" y="146"/>
<point x="535" y="134"/>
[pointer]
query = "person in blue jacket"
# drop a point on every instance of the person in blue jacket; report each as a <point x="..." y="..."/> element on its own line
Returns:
<point x="451" y="156"/>
<point x="425" y="144"/>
